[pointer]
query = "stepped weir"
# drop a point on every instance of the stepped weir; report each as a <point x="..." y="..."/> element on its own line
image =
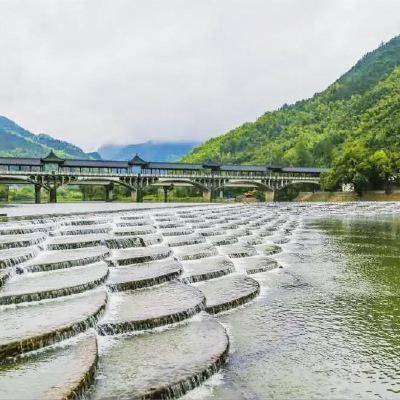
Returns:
<point x="112" y="291"/>
<point x="210" y="179"/>
<point x="128" y="304"/>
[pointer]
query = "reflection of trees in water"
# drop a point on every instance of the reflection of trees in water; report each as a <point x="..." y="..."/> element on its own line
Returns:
<point x="369" y="301"/>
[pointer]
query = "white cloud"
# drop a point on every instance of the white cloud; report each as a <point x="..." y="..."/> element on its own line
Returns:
<point x="98" y="71"/>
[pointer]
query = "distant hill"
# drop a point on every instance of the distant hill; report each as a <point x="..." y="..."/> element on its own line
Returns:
<point x="363" y="105"/>
<point x="151" y="151"/>
<point x="16" y="141"/>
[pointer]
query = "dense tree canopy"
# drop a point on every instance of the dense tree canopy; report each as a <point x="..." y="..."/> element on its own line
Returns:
<point x="353" y="127"/>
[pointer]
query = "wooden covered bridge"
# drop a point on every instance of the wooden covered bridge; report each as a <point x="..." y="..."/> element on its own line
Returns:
<point x="51" y="172"/>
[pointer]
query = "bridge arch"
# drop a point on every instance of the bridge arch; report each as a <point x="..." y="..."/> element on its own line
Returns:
<point x="246" y="183"/>
<point x="299" y="182"/>
<point x="4" y="179"/>
<point x="99" y="181"/>
<point x="177" y="181"/>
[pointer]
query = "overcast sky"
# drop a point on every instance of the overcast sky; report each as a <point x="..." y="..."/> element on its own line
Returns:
<point x="125" y="71"/>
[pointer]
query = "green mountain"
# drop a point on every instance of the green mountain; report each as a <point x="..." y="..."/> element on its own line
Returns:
<point x="18" y="142"/>
<point x="150" y="151"/>
<point x="359" y="112"/>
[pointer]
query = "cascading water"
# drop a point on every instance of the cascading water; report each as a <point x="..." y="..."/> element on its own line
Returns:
<point x="142" y="284"/>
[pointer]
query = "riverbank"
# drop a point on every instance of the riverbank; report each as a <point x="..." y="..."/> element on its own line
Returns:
<point x="336" y="197"/>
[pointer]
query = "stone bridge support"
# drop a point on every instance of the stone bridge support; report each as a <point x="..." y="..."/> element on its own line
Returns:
<point x="207" y="196"/>
<point x="109" y="192"/>
<point x="137" y="195"/>
<point x="37" y="194"/>
<point x="269" y="196"/>
<point x="53" y="194"/>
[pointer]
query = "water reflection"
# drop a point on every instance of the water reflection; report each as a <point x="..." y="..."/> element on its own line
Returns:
<point x="328" y="326"/>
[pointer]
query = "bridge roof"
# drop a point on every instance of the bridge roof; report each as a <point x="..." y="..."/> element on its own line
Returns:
<point x="95" y="164"/>
<point x="73" y="163"/>
<point x="171" y="165"/>
<point x="244" y="168"/>
<point x="304" y="170"/>
<point x="20" y="161"/>
<point x="53" y="158"/>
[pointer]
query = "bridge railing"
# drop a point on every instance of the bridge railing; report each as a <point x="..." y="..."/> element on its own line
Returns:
<point x="159" y="176"/>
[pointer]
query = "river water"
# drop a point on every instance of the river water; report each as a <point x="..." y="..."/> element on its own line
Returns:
<point x="281" y="301"/>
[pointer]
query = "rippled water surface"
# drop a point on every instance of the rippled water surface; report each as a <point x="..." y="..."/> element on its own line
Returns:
<point x="328" y="325"/>
<point x="232" y="301"/>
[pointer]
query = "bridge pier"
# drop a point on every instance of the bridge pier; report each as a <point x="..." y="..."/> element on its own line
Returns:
<point x="109" y="192"/>
<point x="37" y="194"/>
<point x="207" y="196"/>
<point x="137" y="196"/>
<point x="53" y="194"/>
<point x="165" y="190"/>
<point x="269" y="197"/>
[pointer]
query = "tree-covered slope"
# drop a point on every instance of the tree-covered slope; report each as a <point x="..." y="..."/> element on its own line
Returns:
<point x="18" y="142"/>
<point x="362" y="105"/>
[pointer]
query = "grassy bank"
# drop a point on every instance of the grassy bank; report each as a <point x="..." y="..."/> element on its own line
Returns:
<point x="340" y="196"/>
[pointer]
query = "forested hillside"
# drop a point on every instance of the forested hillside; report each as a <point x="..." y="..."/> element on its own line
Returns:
<point x="356" y="117"/>
<point x="18" y="142"/>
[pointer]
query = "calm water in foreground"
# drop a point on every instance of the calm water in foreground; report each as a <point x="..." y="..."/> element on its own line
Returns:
<point x="324" y="326"/>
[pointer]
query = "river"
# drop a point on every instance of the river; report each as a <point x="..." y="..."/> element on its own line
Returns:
<point x="279" y="301"/>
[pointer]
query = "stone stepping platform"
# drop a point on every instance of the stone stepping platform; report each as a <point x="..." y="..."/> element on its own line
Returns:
<point x="47" y="285"/>
<point x="124" y="242"/>
<point x="206" y="268"/>
<point x="256" y="264"/>
<point x="135" y="223"/>
<point x="237" y="250"/>
<point x="134" y="230"/>
<point x="177" y="241"/>
<point x="134" y="217"/>
<point x="165" y="214"/>
<point x="280" y="239"/>
<point x="76" y="241"/>
<point x="151" y="307"/>
<point x="240" y="232"/>
<point x="176" y="231"/>
<point x="257" y="224"/>
<point x="228" y="292"/>
<point x="29" y="327"/>
<point x="25" y="229"/>
<point x="171" y="224"/>
<point x="268" y="249"/>
<point x="59" y="259"/>
<point x="221" y="240"/>
<point x="12" y="257"/>
<point x="21" y="240"/>
<point x="140" y="255"/>
<point x="57" y="373"/>
<point x="143" y="275"/>
<point x="211" y="231"/>
<point x="227" y="226"/>
<point x="196" y="251"/>
<point x="264" y="232"/>
<point x="151" y="239"/>
<point x="189" y="219"/>
<point x="250" y="240"/>
<point x="81" y="221"/>
<point x="84" y="230"/>
<point x="201" y="225"/>
<point x="162" y="365"/>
